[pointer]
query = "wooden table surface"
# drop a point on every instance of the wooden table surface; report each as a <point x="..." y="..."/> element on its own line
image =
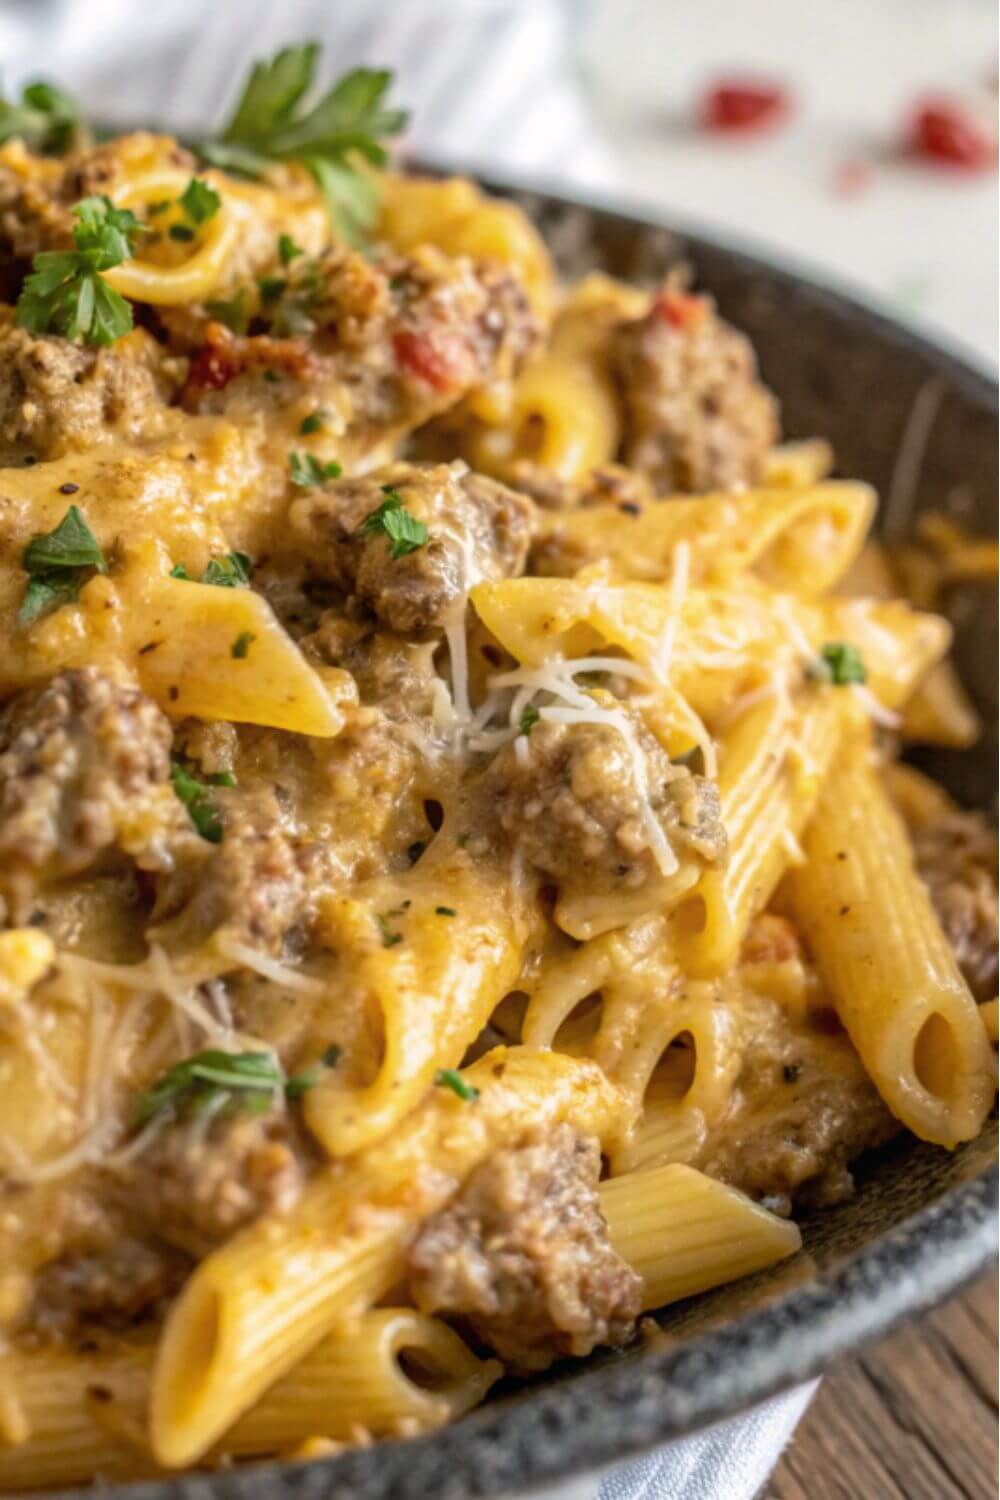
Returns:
<point x="914" y="1418"/>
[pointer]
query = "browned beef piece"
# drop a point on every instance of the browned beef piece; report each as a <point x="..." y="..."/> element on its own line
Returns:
<point x="254" y="886"/>
<point x="476" y="529"/>
<point x="574" y="804"/>
<point x="957" y="858"/>
<point x="84" y="771"/>
<point x="383" y="345"/>
<point x="196" y="1184"/>
<point x="108" y="1287"/>
<point x="58" y="397"/>
<point x="697" y="417"/>
<point x="802" y="1108"/>
<point x="523" y="1255"/>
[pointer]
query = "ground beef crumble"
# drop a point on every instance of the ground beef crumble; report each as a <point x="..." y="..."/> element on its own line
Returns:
<point x="523" y="1256"/>
<point x="697" y="417"/>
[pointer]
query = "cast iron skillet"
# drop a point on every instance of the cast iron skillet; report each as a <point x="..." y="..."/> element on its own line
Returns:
<point x="923" y="1221"/>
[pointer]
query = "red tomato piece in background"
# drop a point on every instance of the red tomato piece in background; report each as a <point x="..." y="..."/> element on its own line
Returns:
<point x="743" y="104"/>
<point x="943" y="132"/>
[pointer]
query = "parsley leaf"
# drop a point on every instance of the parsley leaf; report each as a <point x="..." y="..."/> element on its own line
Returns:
<point x="839" y="663"/>
<point x="229" y="572"/>
<point x="389" y="938"/>
<point x="451" y="1078"/>
<point x="198" y="800"/>
<point x="307" y="470"/>
<point x="404" y="531"/>
<point x="200" y="201"/>
<point x="46" y="119"/>
<point x="288" y="249"/>
<point x="312" y="423"/>
<point x="56" y="564"/>
<point x="529" y="719"/>
<point x="211" y="1080"/>
<point x="445" y="911"/>
<point x="66" y="294"/>
<point x="240" y="649"/>
<point x="272" y="123"/>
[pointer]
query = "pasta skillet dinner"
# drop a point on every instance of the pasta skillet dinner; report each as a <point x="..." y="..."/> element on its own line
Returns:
<point x="458" y="888"/>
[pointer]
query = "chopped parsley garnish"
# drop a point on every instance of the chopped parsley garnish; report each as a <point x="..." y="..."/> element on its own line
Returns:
<point x="839" y="663"/>
<point x="200" y="201"/>
<point x="445" y="911"/>
<point x="240" y="648"/>
<point x="210" y="1081"/>
<point x="314" y="422"/>
<point x="46" y="119"/>
<point x="66" y="294"/>
<point x="404" y="531"/>
<point x="180" y="571"/>
<point x="389" y="938"/>
<point x="529" y="719"/>
<point x="57" y="565"/>
<point x="271" y="287"/>
<point x="451" y="1078"/>
<point x="182" y="232"/>
<point x="229" y="572"/>
<point x="288" y="249"/>
<point x="351" y="119"/>
<point x="197" y="798"/>
<point x="231" y="311"/>
<point x="307" y="470"/>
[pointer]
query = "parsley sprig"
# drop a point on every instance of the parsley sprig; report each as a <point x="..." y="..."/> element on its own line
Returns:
<point x="528" y="719"/>
<point x="57" y="564"/>
<point x="840" y="663"/>
<point x="66" y="293"/>
<point x="213" y="1080"/>
<point x="405" y="531"/>
<point x="46" y="119"/>
<point x="272" y="123"/>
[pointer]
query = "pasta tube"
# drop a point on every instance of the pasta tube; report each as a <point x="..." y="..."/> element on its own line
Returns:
<point x="685" y="1233"/>
<point x="868" y="920"/>
<point x="394" y="1371"/>
<point x="260" y="1302"/>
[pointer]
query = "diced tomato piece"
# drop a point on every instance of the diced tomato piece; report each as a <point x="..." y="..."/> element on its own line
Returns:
<point x="742" y="104"/>
<point x="429" y="360"/>
<point x="943" y="132"/>
<point x="212" y="368"/>
<point x="680" y="309"/>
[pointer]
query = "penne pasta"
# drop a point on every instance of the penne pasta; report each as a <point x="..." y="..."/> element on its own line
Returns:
<point x="887" y="965"/>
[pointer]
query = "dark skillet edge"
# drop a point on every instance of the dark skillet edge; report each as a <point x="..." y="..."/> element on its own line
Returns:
<point x="618" y="1408"/>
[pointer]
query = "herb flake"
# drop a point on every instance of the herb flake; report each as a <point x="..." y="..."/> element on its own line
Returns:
<point x="196" y="797"/>
<point x="451" y="1078"/>
<point x="57" y="564"/>
<point x="840" y="663"/>
<point x="528" y="720"/>
<point x="200" y="201"/>
<point x="307" y="470"/>
<point x="405" y="532"/>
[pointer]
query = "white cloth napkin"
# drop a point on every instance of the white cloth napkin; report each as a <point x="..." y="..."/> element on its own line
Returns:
<point x="491" y="84"/>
